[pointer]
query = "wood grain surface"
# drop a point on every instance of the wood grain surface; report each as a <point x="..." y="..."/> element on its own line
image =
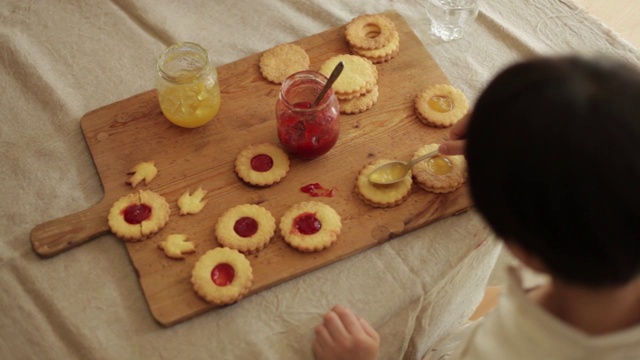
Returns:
<point x="124" y="133"/>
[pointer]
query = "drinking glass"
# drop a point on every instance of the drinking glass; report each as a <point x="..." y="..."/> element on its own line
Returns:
<point x="449" y="18"/>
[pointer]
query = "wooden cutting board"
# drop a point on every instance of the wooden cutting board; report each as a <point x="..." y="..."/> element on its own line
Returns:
<point x="124" y="133"/>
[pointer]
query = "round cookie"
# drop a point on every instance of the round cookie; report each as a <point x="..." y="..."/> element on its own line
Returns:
<point x="138" y="215"/>
<point x="378" y="195"/>
<point x="222" y="276"/>
<point x="439" y="174"/>
<point x="310" y="226"/>
<point x="370" y="31"/>
<point x="279" y="62"/>
<point x="441" y="105"/>
<point x="358" y="77"/>
<point x="262" y="164"/>
<point x="247" y="228"/>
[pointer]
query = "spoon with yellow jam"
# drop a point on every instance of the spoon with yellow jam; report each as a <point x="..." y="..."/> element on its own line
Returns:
<point x="395" y="171"/>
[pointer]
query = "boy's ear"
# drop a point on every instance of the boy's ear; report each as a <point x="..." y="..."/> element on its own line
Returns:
<point x="526" y="257"/>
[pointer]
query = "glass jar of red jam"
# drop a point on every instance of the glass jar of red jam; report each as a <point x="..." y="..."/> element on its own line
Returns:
<point x="305" y="131"/>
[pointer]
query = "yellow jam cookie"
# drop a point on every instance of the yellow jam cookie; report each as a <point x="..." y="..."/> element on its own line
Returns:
<point x="310" y="226"/>
<point x="441" y="105"/>
<point x="247" y="228"/>
<point x="370" y="31"/>
<point x="378" y="195"/>
<point x="358" y="77"/>
<point x="176" y="246"/>
<point x="439" y="174"/>
<point x="262" y="164"/>
<point x="277" y="63"/>
<point x="145" y="170"/>
<point x="192" y="203"/>
<point x="361" y="103"/>
<point x="138" y="215"/>
<point x="222" y="276"/>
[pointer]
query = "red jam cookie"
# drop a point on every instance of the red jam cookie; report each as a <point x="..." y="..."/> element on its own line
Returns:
<point x="222" y="276"/>
<point x="138" y="215"/>
<point x="262" y="164"/>
<point x="247" y="228"/>
<point x="310" y="226"/>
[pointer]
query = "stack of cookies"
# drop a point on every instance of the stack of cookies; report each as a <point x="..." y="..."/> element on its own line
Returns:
<point x="357" y="86"/>
<point x="374" y="37"/>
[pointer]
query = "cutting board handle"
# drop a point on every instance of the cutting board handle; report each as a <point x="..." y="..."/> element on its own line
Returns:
<point x="55" y="236"/>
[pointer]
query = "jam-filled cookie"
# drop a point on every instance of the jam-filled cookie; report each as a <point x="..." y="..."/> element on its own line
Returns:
<point x="262" y="164"/>
<point x="138" y="215"/>
<point x="247" y="228"/>
<point x="439" y="174"/>
<point x="310" y="226"/>
<point x="222" y="276"/>
<point x="441" y="105"/>
<point x="378" y="195"/>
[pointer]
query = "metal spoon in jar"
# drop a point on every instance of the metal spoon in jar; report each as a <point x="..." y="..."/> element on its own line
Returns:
<point x="332" y="78"/>
<point x="395" y="171"/>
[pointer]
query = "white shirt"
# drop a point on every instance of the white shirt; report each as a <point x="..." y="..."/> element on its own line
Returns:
<point x="518" y="328"/>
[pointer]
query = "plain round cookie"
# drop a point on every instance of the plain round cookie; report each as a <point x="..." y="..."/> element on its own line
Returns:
<point x="138" y="215"/>
<point x="310" y="226"/>
<point x="262" y="164"/>
<point x="247" y="228"/>
<point x="222" y="276"/>
<point x="439" y="174"/>
<point x="358" y="77"/>
<point x="279" y="62"/>
<point x="378" y="195"/>
<point x="441" y="105"/>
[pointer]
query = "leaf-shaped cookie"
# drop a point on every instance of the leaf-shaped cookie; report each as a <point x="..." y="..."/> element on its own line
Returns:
<point x="192" y="203"/>
<point x="176" y="245"/>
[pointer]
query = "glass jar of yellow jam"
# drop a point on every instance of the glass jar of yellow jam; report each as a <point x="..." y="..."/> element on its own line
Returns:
<point x="187" y="84"/>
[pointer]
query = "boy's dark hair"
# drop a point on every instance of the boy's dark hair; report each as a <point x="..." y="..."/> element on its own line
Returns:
<point x="554" y="165"/>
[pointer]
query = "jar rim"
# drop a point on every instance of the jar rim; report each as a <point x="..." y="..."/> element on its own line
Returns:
<point x="303" y="75"/>
<point x="182" y="76"/>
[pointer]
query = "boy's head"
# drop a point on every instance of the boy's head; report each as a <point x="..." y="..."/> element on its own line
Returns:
<point x="554" y="165"/>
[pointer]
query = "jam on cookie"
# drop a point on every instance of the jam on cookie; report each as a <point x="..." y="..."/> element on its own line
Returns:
<point x="222" y="276"/>
<point x="377" y="195"/>
<point x="439" y="174"/>
<point x="310" y="226"/>
<point x="247" y="228"/>
<point x="262" y="164"/>
<point x="138" y="215"/>
<point x="440" y="105"/>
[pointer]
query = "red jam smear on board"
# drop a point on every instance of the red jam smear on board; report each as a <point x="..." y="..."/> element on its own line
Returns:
<point x="316" y="190"/>
<point x="136" y="213"/>
<point x="307" y="223"/>
<point x="261" y="163"/>
<point x="245" y="226"/>
<point x="308" y="137"/>
<point x="222" y="274"/>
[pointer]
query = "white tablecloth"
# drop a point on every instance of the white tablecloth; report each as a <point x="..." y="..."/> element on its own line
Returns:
<point x="62" y="59"/>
